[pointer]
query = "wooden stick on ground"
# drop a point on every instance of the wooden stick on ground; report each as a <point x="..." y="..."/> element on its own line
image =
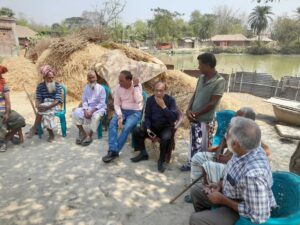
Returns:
<point x="28" y="95"/>
<point x="184" y="190"/>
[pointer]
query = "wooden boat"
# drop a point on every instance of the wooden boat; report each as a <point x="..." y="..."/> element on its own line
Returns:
<point x="287" y="115"/>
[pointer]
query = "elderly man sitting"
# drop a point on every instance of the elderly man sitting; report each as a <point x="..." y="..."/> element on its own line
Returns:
<point x="246" y="188"/>
<point x="210" y="165"/>
<point x="160" y="116"/>
<point x="11" y="122"/>
<point x="93" y="108"/>
<point x="48" y="100"/>
<point x="128" y="104"/>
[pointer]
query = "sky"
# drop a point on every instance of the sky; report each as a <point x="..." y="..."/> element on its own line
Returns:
<point x="54" y="11"/>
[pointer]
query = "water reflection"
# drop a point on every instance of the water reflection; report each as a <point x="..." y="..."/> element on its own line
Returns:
<point x="275" y="65"/>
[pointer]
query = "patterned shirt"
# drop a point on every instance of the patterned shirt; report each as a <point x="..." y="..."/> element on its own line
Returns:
<point x="4" y="90"/>
<point x="42" y="93"/>
<point x="248" y="180"/>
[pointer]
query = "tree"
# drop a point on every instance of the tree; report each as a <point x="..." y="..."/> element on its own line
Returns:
<point x="6" y="12"/>
<point x="75" y="22"/>
<point x="228" y="21"/>
<point x="106" y="15"/>
<point x="285" y="30"/>
<point x="207" y="27"/>
<point x="259" y="18"/>
<point x="164" y="25"/>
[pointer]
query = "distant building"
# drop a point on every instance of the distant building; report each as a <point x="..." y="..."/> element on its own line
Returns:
<point x="12" y="35"/>
<point x="8" y="38"/>
<point x="262" y="39"/>
<point x="24" y="34"/>
<point x="188" y="42"/>
<point x="229" y="40"/>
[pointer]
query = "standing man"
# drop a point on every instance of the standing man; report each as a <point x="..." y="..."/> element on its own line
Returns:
<point x="48" y="99"/>
<point x="11" y="122"/>
<point x="201" y="109"/>
<point x="93" y="108"/>
<point x="128" y="105"/>
<point x="160" y="117"/>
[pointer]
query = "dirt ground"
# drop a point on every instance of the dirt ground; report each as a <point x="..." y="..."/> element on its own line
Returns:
<point x="63" y="183"/>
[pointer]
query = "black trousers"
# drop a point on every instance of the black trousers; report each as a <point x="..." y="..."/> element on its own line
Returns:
<point x="164" y="133"/>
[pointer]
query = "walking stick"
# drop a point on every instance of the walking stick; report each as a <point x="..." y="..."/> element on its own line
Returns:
<point x="185" y="189"/>
<point x="28" y="96"/>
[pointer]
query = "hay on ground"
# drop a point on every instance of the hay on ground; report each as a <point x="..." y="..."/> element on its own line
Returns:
<point x="20" y="71"/>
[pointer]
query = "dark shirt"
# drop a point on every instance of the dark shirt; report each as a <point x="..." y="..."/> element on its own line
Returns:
<point x="42" y="93"/>
<point x="155" y="116"/>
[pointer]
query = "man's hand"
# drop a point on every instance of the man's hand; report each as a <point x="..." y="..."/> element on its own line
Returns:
<point x="160" y="102"/>
<point x="120" y="122"/>
<point x="190" y="116"/>
<point x="88" y="114"/>
<point x="223" y="158"/>
<point x="136" y="81"/>
<point x="215" y="197"/>
<point x="43" y="108"/>
<point x="5" y="117"/>
<point x="151" y="134"/>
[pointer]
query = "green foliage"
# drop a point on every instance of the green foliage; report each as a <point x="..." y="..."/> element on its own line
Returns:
<point x="259" y="18"/>
<point x="231" y="50"/>
<point x="164" y="25"/>
<point x="286" y="30"/>
<point x="6" y="12"/>
<point x="259" y="49"/>
<point x="292" y="48"/>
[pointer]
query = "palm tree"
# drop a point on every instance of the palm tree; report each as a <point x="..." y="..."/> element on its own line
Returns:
<point x="259" y="18"/>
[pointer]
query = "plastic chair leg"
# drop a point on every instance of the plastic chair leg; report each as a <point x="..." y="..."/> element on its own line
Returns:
<point x="63" y="126"/>
<point x="40" y="131"/>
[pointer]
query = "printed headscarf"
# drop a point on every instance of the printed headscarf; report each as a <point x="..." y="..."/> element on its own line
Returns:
<point x="46" y="69"/>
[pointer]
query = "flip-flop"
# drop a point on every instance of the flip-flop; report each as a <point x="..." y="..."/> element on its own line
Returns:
<point x="188" y="199"/>
<point x="78" y="141"/>
<point x="86" y="142"/>
<point x="16" y="141"/>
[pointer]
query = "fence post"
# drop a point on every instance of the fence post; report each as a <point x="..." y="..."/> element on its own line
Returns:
<point x="297" y="91"/>
<point x="241" y="83"/>
<point x="234" y="81"/>
<point x="277" y="86"/>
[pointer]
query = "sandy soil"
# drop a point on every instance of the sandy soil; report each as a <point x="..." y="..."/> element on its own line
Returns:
<point x="63" y="183"/>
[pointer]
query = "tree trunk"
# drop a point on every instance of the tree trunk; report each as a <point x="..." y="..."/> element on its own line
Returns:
<point x="295" y="161"/>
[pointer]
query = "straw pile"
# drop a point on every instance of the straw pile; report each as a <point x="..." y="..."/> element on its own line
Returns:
<point x="34" y="52"/>
<point x="72" y="71"/>
<point x="133" y="53"/>
<point x="20" y="71"/>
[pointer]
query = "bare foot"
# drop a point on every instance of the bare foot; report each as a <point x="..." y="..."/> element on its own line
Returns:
<point x="51" y="136"/>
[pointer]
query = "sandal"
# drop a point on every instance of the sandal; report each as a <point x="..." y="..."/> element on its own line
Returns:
<point x="78" y="141"/>
<point x="86" y="142"/>
<point x="30" y="133"/>
<point x="16" y="140"/>
<point x="185" y="168"/>
<point x="188" y="199"/>
<point x="3" y="147"/>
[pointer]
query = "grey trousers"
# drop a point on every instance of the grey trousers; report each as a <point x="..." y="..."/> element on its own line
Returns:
<point x="204" y="215"/>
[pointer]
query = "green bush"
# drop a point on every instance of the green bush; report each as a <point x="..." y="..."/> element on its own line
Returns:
<point x="260" y="50"/>
<point x="293" y="48"/>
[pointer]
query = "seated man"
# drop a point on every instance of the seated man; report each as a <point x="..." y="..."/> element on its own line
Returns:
<point x="246" y="188"/>
<point x="93" y="108"/>
<point x="128" y="104"/>
<point x="160" y="116"/>
<point x="48" y="99"/>
<point x="210" y="165"/>
<point x="11" y="122"/>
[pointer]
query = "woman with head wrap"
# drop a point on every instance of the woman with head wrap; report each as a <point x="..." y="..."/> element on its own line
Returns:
<point x="48" y="98"/>
<point x="10" y="121"/>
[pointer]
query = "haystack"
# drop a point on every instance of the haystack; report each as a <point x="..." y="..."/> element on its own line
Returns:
<point x="20" y="71"/>
<point x="72" y="71"/>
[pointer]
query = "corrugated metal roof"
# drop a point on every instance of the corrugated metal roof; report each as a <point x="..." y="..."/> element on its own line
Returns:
<point x="229" y="37"/>
<point x="24" y="32"/>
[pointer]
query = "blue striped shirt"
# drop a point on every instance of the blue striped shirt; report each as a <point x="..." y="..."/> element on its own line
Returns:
<point x="2" y="98"/>
<point x="42" y="93"/>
